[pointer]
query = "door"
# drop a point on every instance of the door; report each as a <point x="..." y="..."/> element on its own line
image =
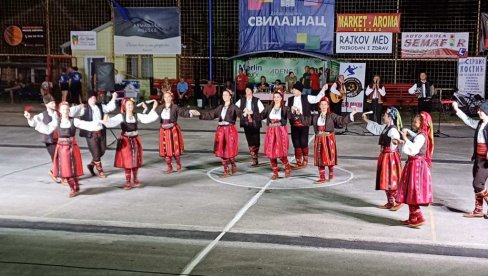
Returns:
<point x="90" y="65"/>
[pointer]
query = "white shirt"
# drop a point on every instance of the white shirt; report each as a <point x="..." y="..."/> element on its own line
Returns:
<point x="473" y="124"/>
<point x="78" y="111"/>
<point x="249" y="105"/>
<point x="119" y="78"/>
<point x="321" y="120"/>
<point x="378" y="129"/>
<point x="413" y="90"/>
<point x="375" y="92"/>
<point x="297" y="101"/>
<point x="40" y="117"/>
<point x="142" y="118"/>
<point x="223" y="112"/>
<point x="166" y="113"/>
<point x="334" y="90"/>
<point x="53" y="125"/>
<point x="275" y="114"/>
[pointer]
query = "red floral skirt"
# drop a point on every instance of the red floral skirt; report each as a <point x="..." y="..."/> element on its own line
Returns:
<point x="67" y="160"/>
<point x="415" y="185"/>
<point x="171" y="141"/>
<point x="226" y="143"/>
<point x="276" y="142"/>
<point x="129" y="152"/>
<point x="325" y="151"/>
<point x="388" y="170"/>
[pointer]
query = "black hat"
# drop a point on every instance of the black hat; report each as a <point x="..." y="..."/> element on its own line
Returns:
<point x="298" y="86"/>
<point x="47" y="99"/>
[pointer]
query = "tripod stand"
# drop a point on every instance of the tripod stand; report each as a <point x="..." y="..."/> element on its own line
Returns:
<point x="346" y="131"/>
<point x="438" y="132"/>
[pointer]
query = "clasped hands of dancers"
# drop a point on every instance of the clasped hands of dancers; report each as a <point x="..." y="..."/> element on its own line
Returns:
<point x="412" y="185"/>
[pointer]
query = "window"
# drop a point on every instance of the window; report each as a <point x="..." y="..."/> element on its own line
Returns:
<point x="140" y="66"/>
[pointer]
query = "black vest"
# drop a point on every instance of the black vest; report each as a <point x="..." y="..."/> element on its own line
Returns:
<point x="428" y="85"/>
<point x="67" y="132"/>
<point x="128" y="127"/>
<point x="256" y="118"/>
<point x="88" y="116"/>
<point x="385" y="140"/>
<point x="46" y="119"/>
<point x="305" y="105"/>
<point x="485" y="134"/>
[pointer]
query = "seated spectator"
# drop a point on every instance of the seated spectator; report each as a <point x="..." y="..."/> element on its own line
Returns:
<point x="182" y="89"/>
<point x="46" y="88"/>
<point x="209" y="95"/>
<point x="17" y="84"/>
<point x="277" y="86"/>
<point x="263" y="86"/>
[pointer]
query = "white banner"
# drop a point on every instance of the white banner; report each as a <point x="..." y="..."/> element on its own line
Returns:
<point x="354" y="75"/>
<point x="83" y="40"/>
<point x="364" y="43"/>
<point x="472" y="75"/>
<point x="435" y="45"/>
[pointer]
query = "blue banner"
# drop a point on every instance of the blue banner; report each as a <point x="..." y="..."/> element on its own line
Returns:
<point x="296" y="25"/>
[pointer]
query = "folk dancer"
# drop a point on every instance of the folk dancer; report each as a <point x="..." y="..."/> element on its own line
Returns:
<point x="415" y="187"/>
<point x="389" y="166"/>
<point x="325" y="149"/>
<point x="251" y="109"/>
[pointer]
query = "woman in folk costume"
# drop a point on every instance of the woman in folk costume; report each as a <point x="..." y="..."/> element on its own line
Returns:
<point x="415" y="187"/>
<point x="276" y="141"/>
<point x="226" y="145"/>
<point x="128" y="154"/>
<point x="67" y="162"/>
<point x="389" y="167"/>
<point x="325" y="149"/>
<point x="170" y="138"/>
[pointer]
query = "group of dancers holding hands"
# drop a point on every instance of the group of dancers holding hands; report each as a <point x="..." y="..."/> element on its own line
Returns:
<point x="411" y="185"/>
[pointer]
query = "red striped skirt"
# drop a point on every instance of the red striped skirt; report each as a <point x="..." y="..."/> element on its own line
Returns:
<point x="325" y="150"/>
<point x="129" y="152"/>
<point x="481" y="150"/>
<point x="171" y="141"/>
<point x="388" y="170"/>
<point x="67" y="160"/>
<point x="226" y="143"/>
<point x="276" y="142"/>
<point x="415" y="185"/>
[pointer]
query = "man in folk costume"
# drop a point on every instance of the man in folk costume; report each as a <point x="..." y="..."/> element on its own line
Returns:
<point x="375" y="93"/>
<point x="300" y="120"/>
<point x="129" y="154"/>
<point x="415" y="186"/>
<point x="480" y="156"/>
<point x="337" y="90"/>
<point x="251" y="108"/>
<point x="47" y="117"/>
<point x="226" y="143"/>
<point x="325" y="149"/>
<point x="96" y="139"/>
<point x="424" y="90"/>
<point x="389" y="167"/>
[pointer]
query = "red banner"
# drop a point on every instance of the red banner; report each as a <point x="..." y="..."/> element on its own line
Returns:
<point x="368" y="22"/>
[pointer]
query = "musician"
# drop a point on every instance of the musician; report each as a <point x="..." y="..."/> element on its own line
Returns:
<point x="424" y="90"/>
<point x="338" y="93"/>
<point x="374" y="101"/>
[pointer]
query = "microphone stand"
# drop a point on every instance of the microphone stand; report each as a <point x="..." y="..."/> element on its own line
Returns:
<point x="438" y="132"/>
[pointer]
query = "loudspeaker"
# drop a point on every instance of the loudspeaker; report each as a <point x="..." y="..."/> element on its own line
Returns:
<point x="105" y="76"/>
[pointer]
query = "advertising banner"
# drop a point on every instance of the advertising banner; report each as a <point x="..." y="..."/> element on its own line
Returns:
<point x="152" y="30"/>
<point x="27" y="36"/>
<point x="296" y="25"/>
<point x="472" y="75"/>
<point x="83" y="40"/>
<point x="354" y="76"/>
<point x="435" y="45"/>
<point x="368" y="22"/>
<point x="275" y="68"/>
<point x="364" y="43"/>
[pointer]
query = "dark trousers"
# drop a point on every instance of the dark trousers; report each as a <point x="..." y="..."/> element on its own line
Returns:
<point x="480" y="174"/>
<point x="252" y="136"/>
<point x="75" y="92"/>
<point x="336" y="107"/>
<point x="299" y="136"/>
<point x="425" y="104"/>
<point x="210" y="101"/>
<point x="51" y="148"/>
<point x="377" y="108"/>
<point x="97" y="144"/>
